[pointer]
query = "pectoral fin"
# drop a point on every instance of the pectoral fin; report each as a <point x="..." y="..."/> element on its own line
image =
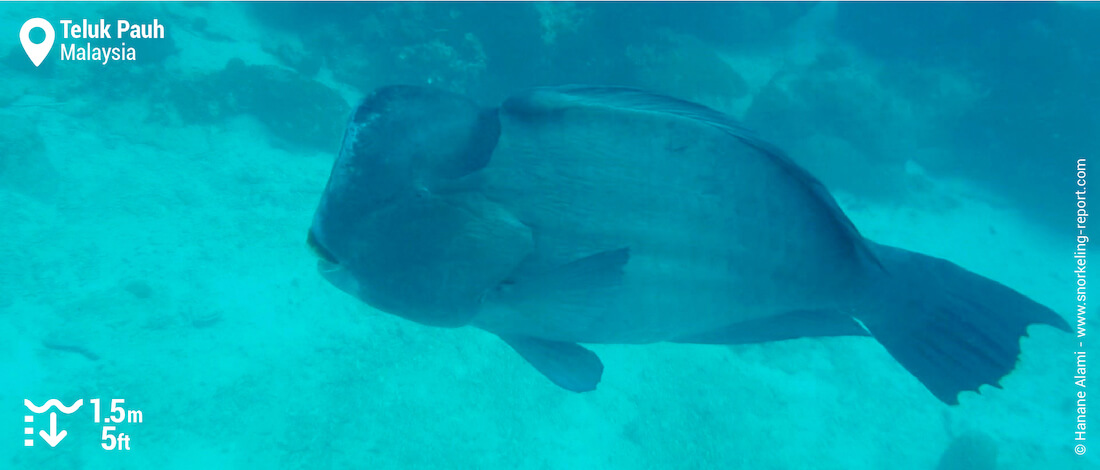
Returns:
<point x="571" y="282"/>
<point x="568" y="365"/>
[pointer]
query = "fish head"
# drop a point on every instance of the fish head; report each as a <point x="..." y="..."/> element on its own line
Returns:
<point x="389" y="229"/>
<point x="404" y="140"/>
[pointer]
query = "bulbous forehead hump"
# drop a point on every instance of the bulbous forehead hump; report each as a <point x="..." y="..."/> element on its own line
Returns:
<point x="445" y="134"/>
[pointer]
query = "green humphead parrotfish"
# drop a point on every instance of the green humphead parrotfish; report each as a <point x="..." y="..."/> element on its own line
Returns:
<point x="605" y="215"/>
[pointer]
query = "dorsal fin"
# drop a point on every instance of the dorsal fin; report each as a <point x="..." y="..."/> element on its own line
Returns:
<point x="555" y="99"/>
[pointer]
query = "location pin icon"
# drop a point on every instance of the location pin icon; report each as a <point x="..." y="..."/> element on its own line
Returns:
<point x="37" y="52"/>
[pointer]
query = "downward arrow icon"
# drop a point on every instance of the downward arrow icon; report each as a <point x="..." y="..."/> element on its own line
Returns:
<point x="53" y="437"/>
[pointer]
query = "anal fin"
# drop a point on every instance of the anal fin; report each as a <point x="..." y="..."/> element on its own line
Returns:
<point x="793" y="325"/>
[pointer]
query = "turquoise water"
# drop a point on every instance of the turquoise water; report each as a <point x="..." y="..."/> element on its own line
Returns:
<point x="155" y="214"/>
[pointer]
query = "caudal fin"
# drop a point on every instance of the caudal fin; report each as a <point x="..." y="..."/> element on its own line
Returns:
<point x="952" y="329"/>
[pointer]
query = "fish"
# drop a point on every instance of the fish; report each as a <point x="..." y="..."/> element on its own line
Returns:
<point x="581" y="214"/>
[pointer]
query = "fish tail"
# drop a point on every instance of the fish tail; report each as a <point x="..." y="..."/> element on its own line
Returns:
<point x="952" y="329"/>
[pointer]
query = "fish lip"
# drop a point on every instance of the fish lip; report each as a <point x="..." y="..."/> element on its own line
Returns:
<point x="320" y="251"/>
<point x="324" y="266"/>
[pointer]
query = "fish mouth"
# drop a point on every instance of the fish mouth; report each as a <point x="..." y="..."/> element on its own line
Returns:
<point x="325" y="267"/>
<point x="326" y="257"/>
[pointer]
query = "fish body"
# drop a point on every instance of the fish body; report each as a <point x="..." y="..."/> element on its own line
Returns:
<point x="597" y="170"/>
<point x="609" y="215"/>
